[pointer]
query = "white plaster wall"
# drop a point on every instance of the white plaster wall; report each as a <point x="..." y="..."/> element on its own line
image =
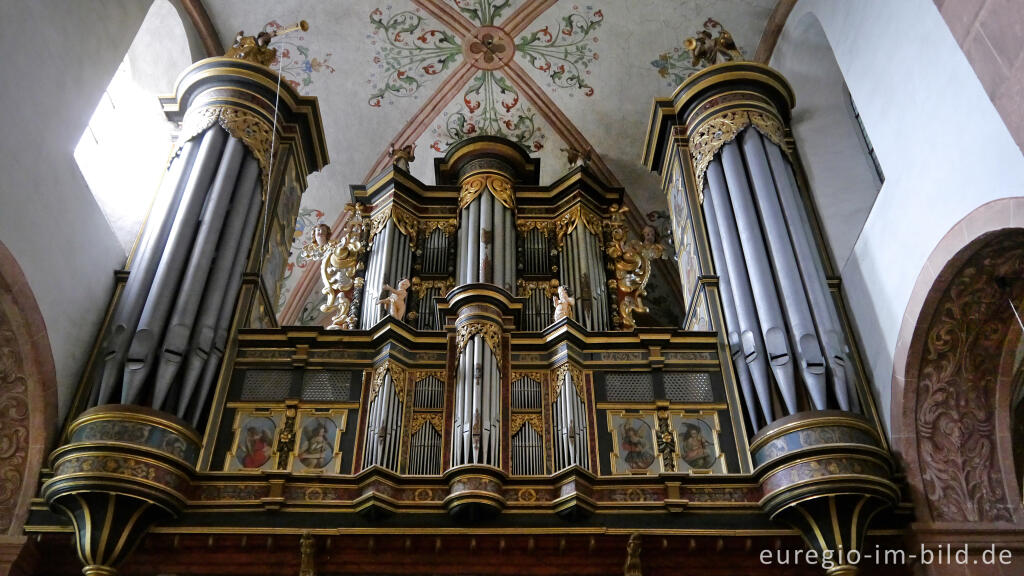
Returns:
<point x="58" y="57"/>
<point x="943" y="147"/>
<point x="836" y="159"/>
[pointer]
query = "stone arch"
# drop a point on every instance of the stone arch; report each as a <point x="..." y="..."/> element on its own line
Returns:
<point x="953" y="372"/>
<point x="28" y="395"/>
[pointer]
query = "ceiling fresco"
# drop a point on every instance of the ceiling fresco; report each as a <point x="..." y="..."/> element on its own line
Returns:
<point x="552" y="75"/>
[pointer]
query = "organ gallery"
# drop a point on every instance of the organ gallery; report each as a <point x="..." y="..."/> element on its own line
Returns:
<point x="487" y="377"/>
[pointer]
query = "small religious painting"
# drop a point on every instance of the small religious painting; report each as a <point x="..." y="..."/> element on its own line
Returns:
<point x="255" y="434"/>
<point x="634" y="449"/>
<point x="697" y="441"/>
<point x="319" y="433"/>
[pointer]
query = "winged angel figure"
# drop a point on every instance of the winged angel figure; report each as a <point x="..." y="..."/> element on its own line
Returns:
<point x="339" y="262"/>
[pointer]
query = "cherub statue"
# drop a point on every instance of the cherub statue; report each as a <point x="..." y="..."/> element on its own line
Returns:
<point x="395" y="303"/>
<point x="402" y="156"/>
<point x="563" y="304"/>
<point x="339" y="260"/>
<point x="706" y="50"/>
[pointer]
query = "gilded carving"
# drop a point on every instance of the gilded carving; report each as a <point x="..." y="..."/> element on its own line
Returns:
<point x="406" y="221"/>
<point x="524" y="226"/>
<point x="723" y="128"/>
<point x="447" y="225"/>
<point x="420" y="286"/>
<point x="567" y="222"/>
<point x="435" y="419"/>
<point x="497" y="184"/>
<point x="526" y="287"/>
<point x="632" y="264"/>
<point x="518" y="419"/>
<point x="706" y="49"/>
<point x="397" y="378"/>
<point x="252" y="130"/>
<point x="339" y="261"/>
<point x="577" y="379"/>
<point x="491" y="334"/>
<point x="956" y="410"/>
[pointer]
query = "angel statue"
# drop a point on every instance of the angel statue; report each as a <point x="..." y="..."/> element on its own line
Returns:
<point x="563" y="304"/>
<point x="395" y="302"/>
<point x="339" y="261"/>
<point x="706" y="50"/>
<point x="632" y="260"/>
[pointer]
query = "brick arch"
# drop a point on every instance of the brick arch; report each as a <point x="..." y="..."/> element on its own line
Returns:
<point x="952" y="373"/>
<point x="28" y="396"/>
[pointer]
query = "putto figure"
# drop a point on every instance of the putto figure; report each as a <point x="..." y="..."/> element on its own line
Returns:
<point x="632" y="260"/>
<point x="402" y="156"/>
<point x="339" y="260"/>
<point x="563" y="304"/>
<point x="706" y="49"/>
<point x="257" y="48"/>
<point x="395" y="302"/>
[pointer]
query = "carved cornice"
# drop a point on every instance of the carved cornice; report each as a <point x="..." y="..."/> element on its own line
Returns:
<point x="518" y="419"/>
<point x="398" y="373"/>
<point x="490" y="332"/>
<point x="253" y="131"/>
<point x="559" y="378"/>
<point x="436" y="420"/>
<point x="715" y="132"/>
<point x="497" y="184"/>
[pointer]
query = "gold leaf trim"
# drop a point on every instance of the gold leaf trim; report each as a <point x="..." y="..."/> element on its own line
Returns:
<point x="420" y="286"/>
<point x="498" y="185"/>
<point x="398" y="373"/>
<point x="524" y="226"/>
<point x="526" y="287"/>
<point x="406" y="221"/>
<point x="568" y="221"/>
<point x="252" y="130"/>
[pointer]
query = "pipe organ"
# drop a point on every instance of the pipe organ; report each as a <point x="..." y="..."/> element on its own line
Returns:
<point x="489" y="350"/>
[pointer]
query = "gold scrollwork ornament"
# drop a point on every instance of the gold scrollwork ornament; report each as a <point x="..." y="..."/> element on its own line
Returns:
<point x="631" y="260"/>
<point x="491" y="334"/>
<point x="498" y="185"/>
<point x="397" y="378"/>
<point x="339" y="261"/>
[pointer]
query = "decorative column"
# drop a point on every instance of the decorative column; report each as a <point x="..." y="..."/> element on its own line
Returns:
<point x="200" y="271"/>
<point x="723" y="143"/>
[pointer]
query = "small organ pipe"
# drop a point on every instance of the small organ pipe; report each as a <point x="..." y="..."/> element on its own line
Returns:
<point x="749" y="330"/>
<point x="485" y="406"/>
<point x="473" y="243"/>
<point x="729" y="307"/>
<point x="486" y="263"/>
<point x="510" y="251"/>
<point x="825" y="315"/>
<point x="798" y="313"/>
<point x="168" y="274"/>
<point x="499" y="249"/>
<point x="476" y="415"/>
<point x="197" y="271"/>
<point x="460" y="253"/>
<point x="755" y="255"/>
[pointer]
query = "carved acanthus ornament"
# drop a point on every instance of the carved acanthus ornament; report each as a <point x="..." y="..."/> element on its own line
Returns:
<point x="252" y="130"/>
<point x="574" y="373"/>
<point x="518" y="419"/>
<point x="723" y="128"/>
<point x="420" y="286"/>
<point x="535" y="376"/>
<point x="447" y="225"/>
<point x="14" y="423"/>
<point x="397" y="372"/>
<point x="956" y="398"/>
<point x="632" y="263"/>
<point x="567" y="222"/>
<point x="406" y="221"/>
<point x="524" y="226"/>
<point x="526" y="287"/>
<point x="339" y="261"/>
<point x="491" y="334"/>
<point x="497" y="184"/>
<point x="436" y="419"/>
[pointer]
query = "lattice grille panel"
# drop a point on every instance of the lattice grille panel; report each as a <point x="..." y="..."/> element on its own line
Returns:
<point x="326" y="385"/>
<point x="630" y="387"/>
<point x="688" y="387"/>
<point x="266" y="385"/>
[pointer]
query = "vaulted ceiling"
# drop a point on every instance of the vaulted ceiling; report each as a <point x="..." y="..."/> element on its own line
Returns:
<point x="550" y="74"/>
